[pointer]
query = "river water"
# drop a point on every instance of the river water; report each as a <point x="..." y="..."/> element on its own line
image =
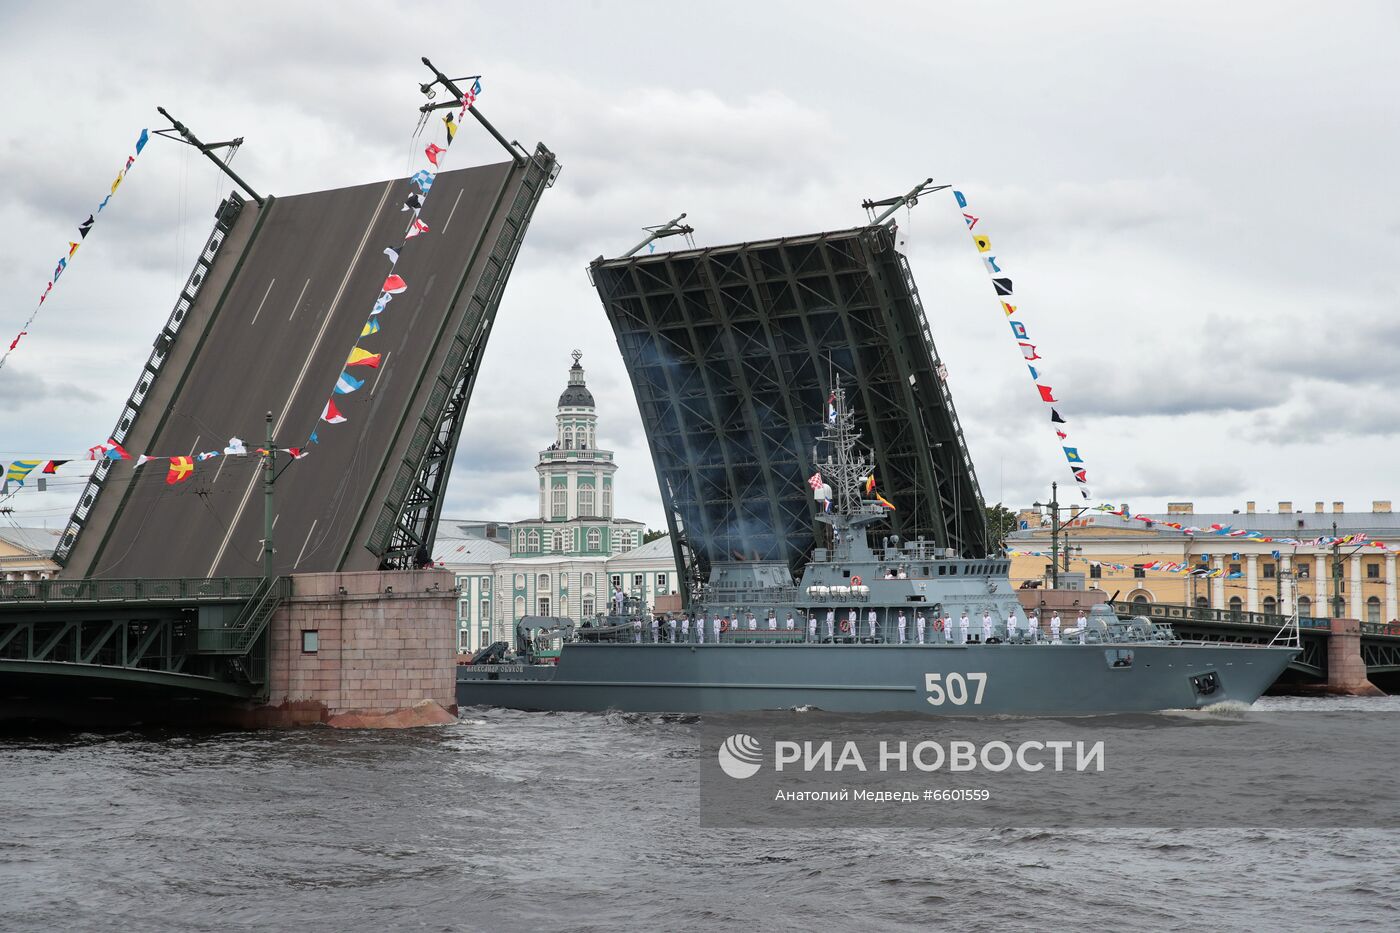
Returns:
<point x="509" y="820"/>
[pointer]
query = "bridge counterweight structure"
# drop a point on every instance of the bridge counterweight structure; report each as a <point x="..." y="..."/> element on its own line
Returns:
<point x="733" y="351"/>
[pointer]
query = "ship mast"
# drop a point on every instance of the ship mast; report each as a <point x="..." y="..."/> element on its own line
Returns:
<point x="846" y="466"/>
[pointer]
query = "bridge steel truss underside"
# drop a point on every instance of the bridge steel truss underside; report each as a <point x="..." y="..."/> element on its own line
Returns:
<point x="733" y="351"/>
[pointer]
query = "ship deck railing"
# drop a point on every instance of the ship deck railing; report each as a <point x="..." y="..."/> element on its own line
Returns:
<point x="885" y="635"/>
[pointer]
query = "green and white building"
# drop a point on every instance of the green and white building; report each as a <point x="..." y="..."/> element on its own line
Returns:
<point x="567" y="560"/>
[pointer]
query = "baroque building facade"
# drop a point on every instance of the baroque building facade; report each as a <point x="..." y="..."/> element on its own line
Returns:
<point x="567" y="560"/>
<point x="1232" y="573"/>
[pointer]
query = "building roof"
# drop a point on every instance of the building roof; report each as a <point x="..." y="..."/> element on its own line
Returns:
<point x="576" y="393"/>
<point x="452" y="551"/>
<point x="40" y="542"/>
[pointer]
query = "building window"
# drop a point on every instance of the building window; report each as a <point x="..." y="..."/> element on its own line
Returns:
<point x="568" y="439"/>
<point x="534" y="541"/>
<point x="519" y="608"/>
<point x="544" y="605"/>
<point x="587" y="606"/>
<point x="588" y="581"/>
<point x="595" y="540"/>
<point x="607" y="501"/>
<point x="1304" y="606"/>
<point x="1236" y="604"/>
<point x="1270" y="606"/>
<point x="661" y="583"/>
<point x="542" y="582"/>
<point x="1373" y="609"/>
<point x="1140" y="602"/>
<point x="1304" y="571"/>
<point x="638" y="582"/>
<point x="1373" y="571"/>
<point x="1268" y="571"/>
<point x="585" y="500"/>
<point x="625" y="540"/>
<point x="1138" y="572"/>
<point x="1234" y="568"/>
<point x="1202" y="602"/>
<point x="310" y="641"/>
<point x="520" y="581"/>
<point x="561" y="502"/>
<point x="485" y="611"/>
<point x="1095" y="572"/>
<point x="617" y="581"/>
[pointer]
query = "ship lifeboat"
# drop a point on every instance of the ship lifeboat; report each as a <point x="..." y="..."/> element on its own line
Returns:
<point x="818" y="592"/>
<point x="841" y="591"/>
<point x="860" y="591"/>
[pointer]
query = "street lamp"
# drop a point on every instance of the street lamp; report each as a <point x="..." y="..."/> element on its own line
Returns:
<point x="1056" y="526"/>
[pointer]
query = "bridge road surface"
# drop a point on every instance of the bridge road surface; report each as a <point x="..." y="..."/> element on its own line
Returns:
<point x="293" y="312"/>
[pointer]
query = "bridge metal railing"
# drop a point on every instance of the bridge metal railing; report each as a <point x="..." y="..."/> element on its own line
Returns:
<point x="1169" y="612"/>
<point x="128" y="590"/>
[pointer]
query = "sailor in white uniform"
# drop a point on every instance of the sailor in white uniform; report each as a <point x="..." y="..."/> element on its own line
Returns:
<point x="655" y="629"/>
<point x="790" y="624"/>
<point x="1011" y="624"/>
<point x="671" y="629"/>
<point x="685" y="628"/>
<point x="986" y="625"/>
<point x="852" y="623"/>
<point x="830" y="623"/>
<point x="870" y="622"/>
<point x="963" y="626"/>
<point x="902" y="624"/>
<point x="700" y="629"/>
<point x="636" y="631"/>
<point x="919" y="625"/>
<point x="812" y="627"/>
<point x="772" y="621"/>
<point x="716" y="627"/>
<point x="1035" y="627"/>
<point x="1055" y="626"/>
<point x="1083" y="625"/>
<point x="753" y="623"/>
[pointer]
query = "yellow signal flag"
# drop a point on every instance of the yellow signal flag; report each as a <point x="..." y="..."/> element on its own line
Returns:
<point x="984" y="243"/>
<point x="1010" y="309"/>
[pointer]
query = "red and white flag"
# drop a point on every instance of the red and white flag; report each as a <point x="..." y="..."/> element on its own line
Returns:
<point x="815" y="481"/>
<point x="394" y="285"/>
<point x="433" y="151"/>
<point x="415" y="228"/>
<point x="331" y="414"/>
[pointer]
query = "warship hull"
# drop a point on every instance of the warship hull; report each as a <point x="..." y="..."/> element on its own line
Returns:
<point x="937" y="680"/>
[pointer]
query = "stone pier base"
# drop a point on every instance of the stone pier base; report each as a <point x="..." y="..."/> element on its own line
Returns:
<point x="1346" y="671"/>
<point x="363" y="650"/>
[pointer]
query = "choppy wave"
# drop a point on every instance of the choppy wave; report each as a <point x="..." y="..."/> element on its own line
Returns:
<point x="573" y="821"/>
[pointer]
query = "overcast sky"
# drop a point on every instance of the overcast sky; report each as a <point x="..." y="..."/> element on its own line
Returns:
<point x="1198" y="204"/>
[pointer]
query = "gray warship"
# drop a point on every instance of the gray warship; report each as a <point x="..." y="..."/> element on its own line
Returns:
<point x="902" y="626"/>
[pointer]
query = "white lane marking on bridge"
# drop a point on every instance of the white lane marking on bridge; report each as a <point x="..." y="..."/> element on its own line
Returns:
<point x="383" y="365"/>
<point x="195" y="445"/>
<point x="302" y="552"/>
<point x="274" y="520"/>
<point x="451" y="212"/>
<point x="298" y="304"/>
<point x="291" y="396"/>
<point x="263" y="302"/>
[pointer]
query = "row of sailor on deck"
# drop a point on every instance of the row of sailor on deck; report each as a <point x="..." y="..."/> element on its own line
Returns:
<point x="922" y="630"/>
